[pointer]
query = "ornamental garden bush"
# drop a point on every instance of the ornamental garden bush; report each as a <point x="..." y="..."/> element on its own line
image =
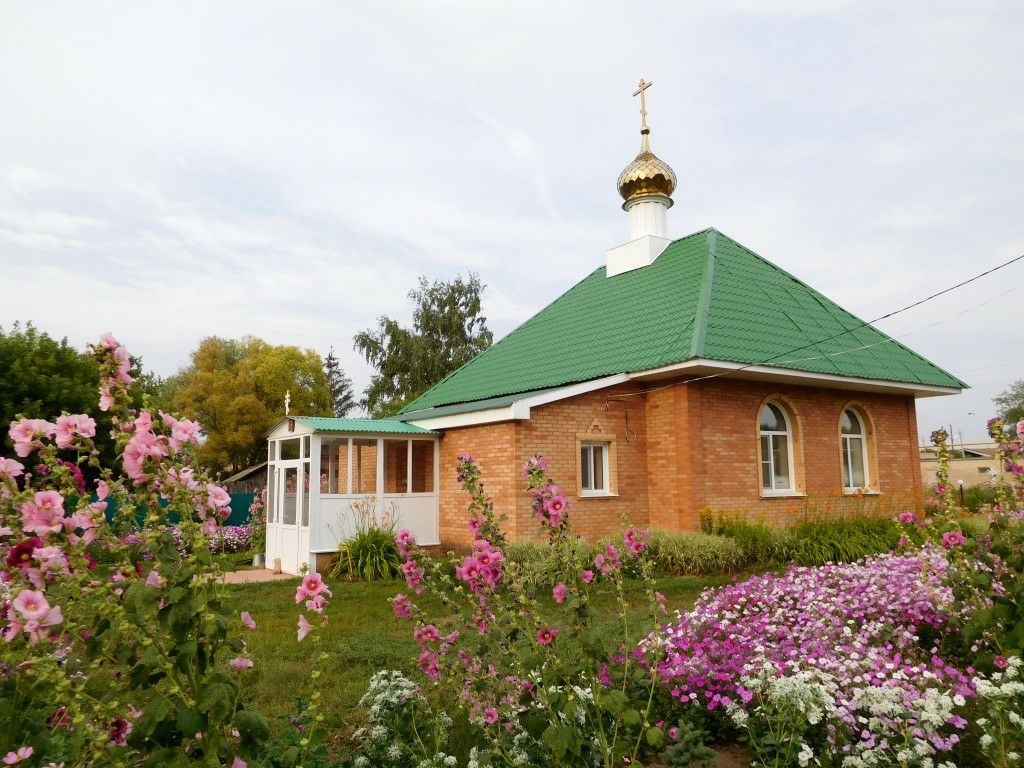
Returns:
<point x="136" y="661"/>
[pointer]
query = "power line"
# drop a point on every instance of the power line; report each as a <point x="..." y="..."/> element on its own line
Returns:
<point x="864" y="323"/>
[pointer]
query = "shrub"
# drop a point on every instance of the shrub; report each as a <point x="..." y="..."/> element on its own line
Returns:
<point x="759" y="542"/>
<point x="978" y="496"/>
<point x="844" y="539"/>
<point x="371" y="553"/>
<point x="696" y="554"/>
<point x="537" y="563"/>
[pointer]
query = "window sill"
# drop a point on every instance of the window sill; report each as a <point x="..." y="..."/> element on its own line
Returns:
<point x="861" y="492"/>
<point x="597" y="495"/>
<point x="783" y="495"/>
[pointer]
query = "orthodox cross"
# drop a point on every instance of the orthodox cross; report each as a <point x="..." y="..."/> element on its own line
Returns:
<point x="643" y="104"/>
<point x="287" y="401"/>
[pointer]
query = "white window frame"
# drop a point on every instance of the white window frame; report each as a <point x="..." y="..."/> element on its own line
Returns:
<point x="588" y="446"/>
<point x="845" y="452"/>
<point x="770" y="458"/>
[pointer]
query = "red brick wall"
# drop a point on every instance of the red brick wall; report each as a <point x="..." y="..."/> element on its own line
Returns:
<point x="493" y="445"/>
<point x="730" y="480"/>
<point x="693" y="446"/>
<point x="554" y="431"/>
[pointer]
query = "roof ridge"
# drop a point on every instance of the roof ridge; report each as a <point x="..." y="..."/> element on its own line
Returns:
<point x="507" y="336"/>
<point x="700" y="317"/>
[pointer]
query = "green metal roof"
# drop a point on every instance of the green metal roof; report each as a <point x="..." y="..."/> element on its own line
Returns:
<point x="706" y="296"/>
<point x="364" y="426"/>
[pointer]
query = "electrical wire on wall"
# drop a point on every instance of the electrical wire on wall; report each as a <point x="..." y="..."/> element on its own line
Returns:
<point x="630" y="432"/>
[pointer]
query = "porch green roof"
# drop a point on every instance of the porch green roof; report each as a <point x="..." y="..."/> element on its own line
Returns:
<point x="705" y="297"/>
<point x="364" y="426"/>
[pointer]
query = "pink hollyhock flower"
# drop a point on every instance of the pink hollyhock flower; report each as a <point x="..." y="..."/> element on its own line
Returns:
<point x="556" y="505"/>
<point x="31" y="604"/>
<point x="102" y="490"/>
<point x="559" y="593"/>
<point x="402" y="606"/>
<point x="428" y="665"/>
<point x="28" y="434"/>
<point x="44" y="514"/>
<point x="106" y="399"/>
<point x="304" y="628"/>
<point x="405" y="541"/>
<point x="490" y="716"/>
<point x="108" y="341"/>
<point x="311" y="586"/>
<point x="546" y="635"/>
<point x="1000" y="662"/>
<point x="118" y="731"/>
<point x="907" y="518"/>
<point x="240" y="662"/>
<point x="51" y="560"/>
<point x="217" y="497"/>
<point x="1020" y="429"/>
<point x="247" y="620"/>
<point x="70" y="428"/>
<point x="951" y="539"/>
<point x="588" y="576"/>
<point x="426" y="634"/>
<point x="154" y="580"/>
<point x="10" y="469"/>
<point x="13" y="758"/>
<point x="239" y="763"/>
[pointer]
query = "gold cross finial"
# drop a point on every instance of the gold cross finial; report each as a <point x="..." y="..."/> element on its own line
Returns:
<point x="643" y="105"/>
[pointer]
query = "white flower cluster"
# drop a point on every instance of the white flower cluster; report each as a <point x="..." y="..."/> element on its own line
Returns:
<point x="388" y="692"/>
<point x="1003" y="729"/>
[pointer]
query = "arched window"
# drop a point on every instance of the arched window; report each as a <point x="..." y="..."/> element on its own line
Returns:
<point x="855" y="443"/>
<point x="776" y="449"/>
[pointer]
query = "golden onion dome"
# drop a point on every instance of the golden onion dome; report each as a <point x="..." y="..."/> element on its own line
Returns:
<point x="648" y="174"/>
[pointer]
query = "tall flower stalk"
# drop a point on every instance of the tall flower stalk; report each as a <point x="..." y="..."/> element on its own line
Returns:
<point x="534" y="681"/>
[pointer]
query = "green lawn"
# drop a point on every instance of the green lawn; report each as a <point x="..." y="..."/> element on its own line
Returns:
<point x="364" y="636"/>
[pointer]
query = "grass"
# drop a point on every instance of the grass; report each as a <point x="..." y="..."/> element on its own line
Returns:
<point x="364" y="636"/>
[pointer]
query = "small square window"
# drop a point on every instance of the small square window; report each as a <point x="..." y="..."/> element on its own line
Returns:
<point x="594" y="469"/>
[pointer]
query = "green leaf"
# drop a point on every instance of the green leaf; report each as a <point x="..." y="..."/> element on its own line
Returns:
<point x="558" y="739"/>
<point x="155" y="712"/>
<point x="655" y="736"/>
<point x="252" y="726"/>
<point x="190" y="721"/>
<point x="614" y="702"/>
<point x="217" y="698"/>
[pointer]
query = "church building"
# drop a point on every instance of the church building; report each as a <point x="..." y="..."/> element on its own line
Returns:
<point x="681" y="374"/>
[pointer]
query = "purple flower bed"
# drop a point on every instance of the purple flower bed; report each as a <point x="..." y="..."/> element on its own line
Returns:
<point x="856" y="631"/>
<point x="228" y="539"/>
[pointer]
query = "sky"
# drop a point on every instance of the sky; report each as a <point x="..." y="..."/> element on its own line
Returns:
<point x="176" y="170"/>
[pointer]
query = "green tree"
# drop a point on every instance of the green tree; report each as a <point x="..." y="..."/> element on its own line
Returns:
<point x="44" y="377"/>
<point x="235" y="389"/>
<point x="343" y="398"/>
<point x="448" y="331"/>
<point x="1011" y="402"/>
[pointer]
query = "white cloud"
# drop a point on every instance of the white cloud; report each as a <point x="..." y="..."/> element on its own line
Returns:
<point x="172" y="171"/>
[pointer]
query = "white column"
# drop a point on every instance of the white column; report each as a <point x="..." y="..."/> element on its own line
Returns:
<point x="648" y="216"/>
<point x="380" y="471"/>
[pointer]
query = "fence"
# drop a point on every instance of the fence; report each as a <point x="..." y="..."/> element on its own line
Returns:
<point x="240" y="503"/>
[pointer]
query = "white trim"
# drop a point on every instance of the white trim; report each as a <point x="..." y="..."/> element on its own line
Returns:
<point x="763" y="372"/>
<point x="606" y="489"/>
<point x="520" y="409"/>
<point x="846" y="453"/>
<point x="770" y="433"/>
